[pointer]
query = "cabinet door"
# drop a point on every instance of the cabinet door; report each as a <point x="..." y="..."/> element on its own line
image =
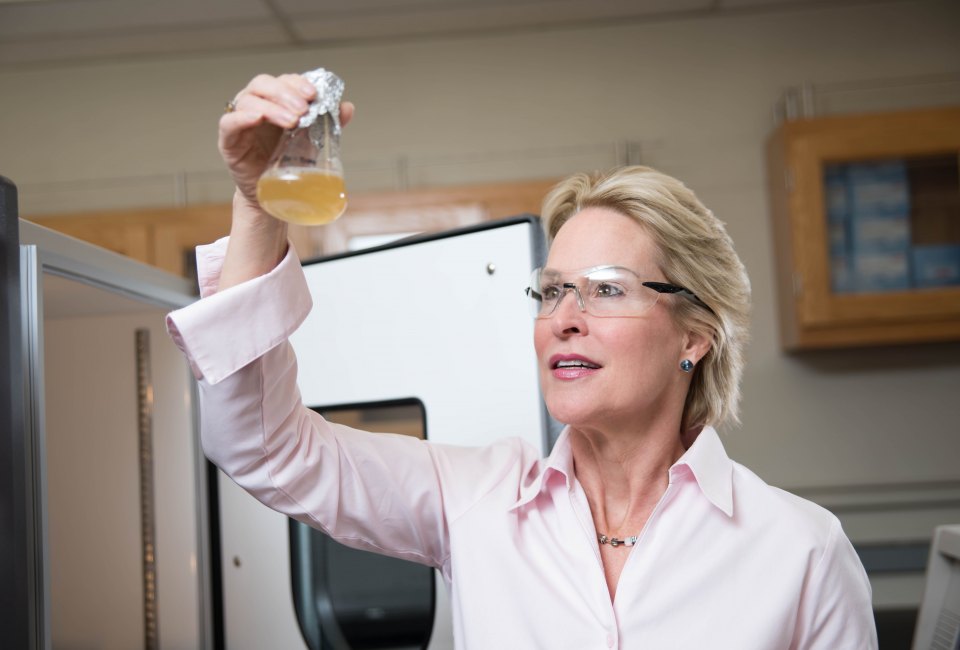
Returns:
<point x="816" y="310"/>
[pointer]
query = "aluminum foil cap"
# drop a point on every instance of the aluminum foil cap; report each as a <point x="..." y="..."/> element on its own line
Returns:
<point x="329" y="91"/>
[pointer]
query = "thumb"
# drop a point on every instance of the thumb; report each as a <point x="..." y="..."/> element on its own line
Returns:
<point x="347" y="110"/>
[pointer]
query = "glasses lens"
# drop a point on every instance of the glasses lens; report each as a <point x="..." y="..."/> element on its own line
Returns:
<point x="535" y="295"/>
<point x="615" y="291"/>
<point x="607" y="291"/>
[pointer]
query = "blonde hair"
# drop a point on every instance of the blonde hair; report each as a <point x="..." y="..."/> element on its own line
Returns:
<point x="695" y="252"/>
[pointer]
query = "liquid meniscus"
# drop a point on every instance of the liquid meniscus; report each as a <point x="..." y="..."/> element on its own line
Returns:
<point x="307" y="197"/>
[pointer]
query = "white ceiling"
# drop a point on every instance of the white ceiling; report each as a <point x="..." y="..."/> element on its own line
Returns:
<point x="58" y="31"/>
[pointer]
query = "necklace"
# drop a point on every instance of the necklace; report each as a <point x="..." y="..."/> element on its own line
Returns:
<point x="615" y="542"/>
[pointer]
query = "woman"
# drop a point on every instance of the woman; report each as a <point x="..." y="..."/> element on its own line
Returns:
<point x="638" y="530"/>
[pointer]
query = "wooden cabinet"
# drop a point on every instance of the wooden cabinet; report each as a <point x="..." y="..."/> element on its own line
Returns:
<point x="847" y="276"/>
<point x="166" y="237"/>
<point x="161" y="237"/>
<point x="424" y="210"/>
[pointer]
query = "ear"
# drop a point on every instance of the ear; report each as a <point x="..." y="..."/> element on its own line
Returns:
<point x="696" y="345"/>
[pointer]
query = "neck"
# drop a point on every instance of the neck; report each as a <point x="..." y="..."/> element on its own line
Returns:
<point x="623" y="474"/>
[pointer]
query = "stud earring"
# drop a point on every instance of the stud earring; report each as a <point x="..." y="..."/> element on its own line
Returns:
<point x="686" y="365"/>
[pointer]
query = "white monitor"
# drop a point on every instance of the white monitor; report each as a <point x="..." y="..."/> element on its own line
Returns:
<point x="938" y="627"/>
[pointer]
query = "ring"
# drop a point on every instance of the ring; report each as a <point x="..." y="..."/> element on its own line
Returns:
<point x="231" y="106"/>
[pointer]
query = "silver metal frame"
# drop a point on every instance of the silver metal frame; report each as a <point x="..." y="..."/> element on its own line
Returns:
<point x="204" y="557"/>
<point x="88" y="264"/>
<point x="34" y="426"/>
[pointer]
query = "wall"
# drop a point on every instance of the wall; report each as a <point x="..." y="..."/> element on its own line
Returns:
<point x="696" y="94"/>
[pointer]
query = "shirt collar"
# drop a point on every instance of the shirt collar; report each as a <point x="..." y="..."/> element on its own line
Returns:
<point x="559" y="462"/>
<point x="705" y="458"/>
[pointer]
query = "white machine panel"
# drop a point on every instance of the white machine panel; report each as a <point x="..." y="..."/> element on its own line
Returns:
<point x="429" y="321"/>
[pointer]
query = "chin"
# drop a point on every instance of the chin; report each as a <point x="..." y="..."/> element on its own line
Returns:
<point x="571" y="414"/>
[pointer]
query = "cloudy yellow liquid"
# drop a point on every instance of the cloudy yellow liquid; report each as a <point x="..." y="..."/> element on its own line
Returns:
<point x="304" y="197"/>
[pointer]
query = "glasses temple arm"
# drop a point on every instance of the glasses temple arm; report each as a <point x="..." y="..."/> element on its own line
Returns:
<point x="664" y="287"/>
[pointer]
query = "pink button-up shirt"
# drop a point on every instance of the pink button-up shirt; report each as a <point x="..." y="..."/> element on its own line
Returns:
<point x="725" y="561"/>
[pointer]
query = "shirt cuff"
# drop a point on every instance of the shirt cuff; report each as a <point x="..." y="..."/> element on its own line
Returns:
<point x="226" y="330"/>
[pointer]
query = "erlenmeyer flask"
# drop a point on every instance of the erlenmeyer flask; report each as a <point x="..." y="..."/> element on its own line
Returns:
<point x="303" y="183"/>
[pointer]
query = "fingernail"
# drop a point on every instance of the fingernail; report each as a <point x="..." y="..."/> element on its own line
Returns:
<point x="307" y="90"/>
<point x="289" y="118"/>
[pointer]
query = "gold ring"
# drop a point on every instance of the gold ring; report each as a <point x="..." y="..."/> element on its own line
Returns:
<point x="231" y="106"/>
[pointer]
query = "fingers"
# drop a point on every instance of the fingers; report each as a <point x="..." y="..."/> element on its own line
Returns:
<point x="293" y="85"/>
<point x="281" y="100"/>
<point x="298" y="82"/>
<point x="277" y="100"/>
<point x="279" y="114"/>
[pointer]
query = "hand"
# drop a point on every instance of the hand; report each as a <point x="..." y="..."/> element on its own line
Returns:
<point x="249" y="134"/>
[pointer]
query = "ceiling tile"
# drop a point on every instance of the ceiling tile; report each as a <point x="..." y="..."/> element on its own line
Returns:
<point x="367" y="6"/>
<point x="66" y="30"/>
<point x="119" y="44"/>
<point x="23" y="20"/>
<point x="743" y="4"/>
<point x="404" y="18"/>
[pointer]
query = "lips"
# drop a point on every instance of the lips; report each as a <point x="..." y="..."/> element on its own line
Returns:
<point x="572" y="366"/>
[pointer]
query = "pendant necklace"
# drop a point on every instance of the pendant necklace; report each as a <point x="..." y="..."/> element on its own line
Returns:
<point x="615" y="542"/>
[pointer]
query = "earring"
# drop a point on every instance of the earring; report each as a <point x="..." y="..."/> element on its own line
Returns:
<point x="686" y="365"/>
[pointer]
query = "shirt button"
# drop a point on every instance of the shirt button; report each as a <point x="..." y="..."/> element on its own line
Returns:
<point x="610" y="640"/>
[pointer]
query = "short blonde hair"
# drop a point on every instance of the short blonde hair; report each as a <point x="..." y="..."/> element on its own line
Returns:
<point x="695" y="252"/>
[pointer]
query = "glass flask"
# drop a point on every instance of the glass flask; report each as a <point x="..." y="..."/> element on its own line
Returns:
<point x="303" y="183"/>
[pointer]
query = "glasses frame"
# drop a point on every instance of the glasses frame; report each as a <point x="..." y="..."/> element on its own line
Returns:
<point x="659" y="287"/>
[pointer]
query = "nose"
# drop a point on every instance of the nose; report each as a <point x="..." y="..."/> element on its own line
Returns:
<point x="568" y="315"/>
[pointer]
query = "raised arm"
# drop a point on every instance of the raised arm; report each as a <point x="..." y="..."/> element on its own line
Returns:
<point x="373" y="491"/>
<point x="388" y="493"/>
<point x="248" y="136"/>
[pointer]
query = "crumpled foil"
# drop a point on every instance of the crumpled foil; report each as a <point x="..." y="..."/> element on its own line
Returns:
<point x="329" y="91"/>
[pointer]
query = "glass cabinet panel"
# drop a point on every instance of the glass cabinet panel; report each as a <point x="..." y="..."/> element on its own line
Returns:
<point x="893" y="224"/>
